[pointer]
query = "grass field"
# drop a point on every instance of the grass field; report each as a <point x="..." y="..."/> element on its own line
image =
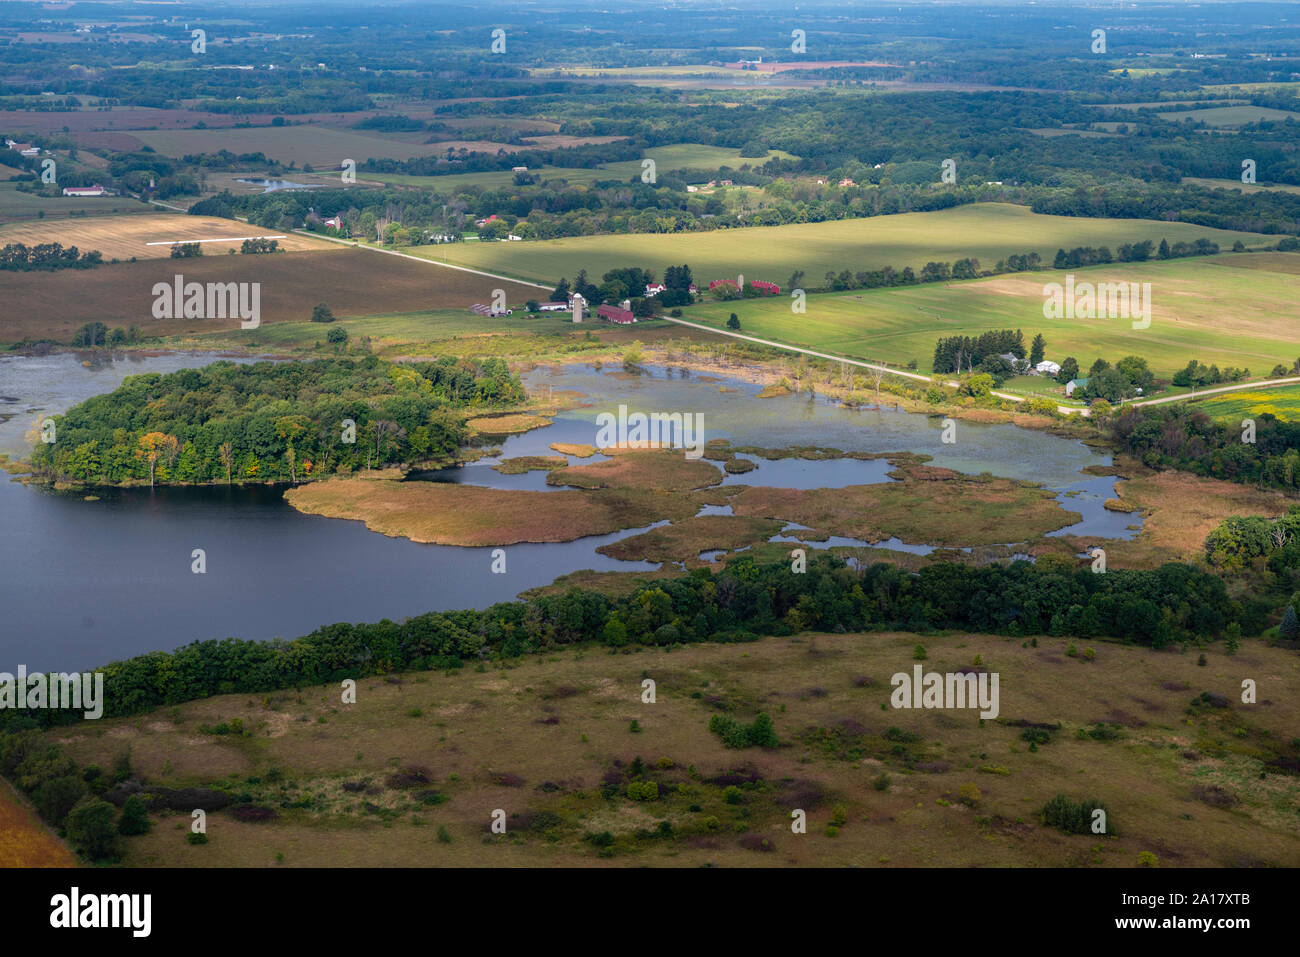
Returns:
<point x="24" y="840"/>
<point x="352" y="282"/>
<point x="988" y="231"/>
<point x="19" y="207"/>
<point x="119" y="237"/>
<point x="1283" y="402"/>
<point x="537" y="736"/>
<point x="1237" y="184"/>
<point x="1222" y="309"/>
<point x="667" y="159"/>
<point x="1232" y="115"/>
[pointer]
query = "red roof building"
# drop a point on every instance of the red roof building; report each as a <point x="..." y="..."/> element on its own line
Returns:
<point x="770" y="288"/>
<point x="615" y="314"/>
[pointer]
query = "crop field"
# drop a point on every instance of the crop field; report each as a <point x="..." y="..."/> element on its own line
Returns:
<point x="409" y="775"/>
<point x="1222" y="309"/>
<point x="319" y="146"/>
<point x="124" y="237"/>
<point x="57" y="304"/>
<point x="988" y="231"/>
<point x="1283" y="402"/>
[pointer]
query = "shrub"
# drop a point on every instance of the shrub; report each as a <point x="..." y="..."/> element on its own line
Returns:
<point x="321" y="313"/>
<point x="135" y="817"/>
<point x="918" y="653"/>
<point x="839" y="815"/>
<point x="643" y="791"/>
<point x="195" y="838"/>
<point x="734" y="734"/>
<point x="1073" y="817"/>
<point x="92" y="828"/>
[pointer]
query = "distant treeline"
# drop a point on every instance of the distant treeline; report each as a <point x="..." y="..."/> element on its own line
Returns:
<point x="1132" y="253"/>
<point x="18" y="257"/>
<point x="1173" y="603"/>
<point x="272" y="421"/>
<point x="1183" y="437"/>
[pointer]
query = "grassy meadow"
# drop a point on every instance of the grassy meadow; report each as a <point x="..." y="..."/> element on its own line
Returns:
<point x="1226" y="309"/>
<point x="410" y="775"/>
<point x="987" y="231"/>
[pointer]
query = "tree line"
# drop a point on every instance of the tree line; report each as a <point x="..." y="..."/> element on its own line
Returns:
<point x="19" y="257"/>
<point x="1170" y="604"/>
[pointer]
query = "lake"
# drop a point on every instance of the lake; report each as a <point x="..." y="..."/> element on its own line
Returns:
<point x="86" y="582"/>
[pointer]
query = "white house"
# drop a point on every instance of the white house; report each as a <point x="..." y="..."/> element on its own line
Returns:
<point x="1047" y="367"/>
<point x="654" y="289"/>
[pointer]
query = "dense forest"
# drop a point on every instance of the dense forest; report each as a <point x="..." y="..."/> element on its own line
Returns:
<point x="1183" y="437"/>
<point x="273" y="421"/>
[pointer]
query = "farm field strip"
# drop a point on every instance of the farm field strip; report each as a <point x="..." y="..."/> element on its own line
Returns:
<point x="986" y="231"/>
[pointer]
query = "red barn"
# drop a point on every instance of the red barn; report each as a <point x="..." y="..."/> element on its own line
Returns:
<point x="615" y="314"/>
<point x="770" y="288"/>
<point x="721" y="282"/>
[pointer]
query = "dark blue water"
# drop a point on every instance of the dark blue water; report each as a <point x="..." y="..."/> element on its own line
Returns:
<point x="86" y="582"/>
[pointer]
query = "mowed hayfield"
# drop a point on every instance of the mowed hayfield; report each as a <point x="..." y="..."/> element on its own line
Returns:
<point x="24" y="840"/>
<point x="667" y="159"/>
<point x="119" y="237"/>
<point x="987" y="231"/>
<point x="425" y="754"/>
<point x="1282" y="401"/>
<point x="16" y="206"/>
<point x="352" y="282"/>
<point x="1229" y="310"/>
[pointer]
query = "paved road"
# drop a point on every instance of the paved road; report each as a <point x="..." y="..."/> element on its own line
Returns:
<point x="916" y="376"/>
<point x="421" y="259"/>
<point x="1235" y="387"/>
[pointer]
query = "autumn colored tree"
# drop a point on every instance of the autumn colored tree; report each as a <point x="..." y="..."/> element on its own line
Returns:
<point x="156" y="445"/>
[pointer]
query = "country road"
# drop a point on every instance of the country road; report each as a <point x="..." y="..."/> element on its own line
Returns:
<point x="916" y="376"/>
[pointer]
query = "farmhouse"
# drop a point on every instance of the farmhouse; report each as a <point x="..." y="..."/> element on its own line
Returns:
<point x="654" y="289"/>
<point x="334" y="222"/>
<point x="95" y="190"/>
<point x="1047" y="367"/>
<point x="1074" y="384"/>
<point x="615" y="314"/>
